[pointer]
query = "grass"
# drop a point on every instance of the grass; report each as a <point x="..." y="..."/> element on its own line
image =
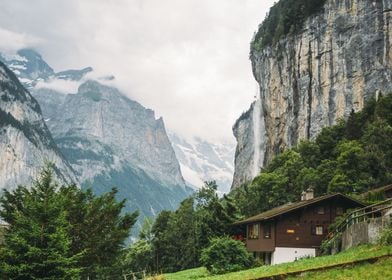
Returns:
<point x="381" y="270"/>
<point x="357" y="253"/>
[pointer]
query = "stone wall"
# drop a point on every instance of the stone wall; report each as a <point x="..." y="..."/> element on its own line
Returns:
<point x="365" y="232"/>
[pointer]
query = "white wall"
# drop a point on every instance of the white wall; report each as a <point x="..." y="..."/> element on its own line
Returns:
<point x="283" y="254"/>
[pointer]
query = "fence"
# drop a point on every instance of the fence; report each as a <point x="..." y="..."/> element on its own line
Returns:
<point x="361" y="226"/>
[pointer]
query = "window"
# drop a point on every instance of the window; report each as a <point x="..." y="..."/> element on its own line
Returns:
<point x="318" y="230"/>
<point x="290" y="231"/>
<point x="253" y="231"/>
<point x="339" y="211"/>
<point x="321" y="210"/>
<point x="267" y="231"/>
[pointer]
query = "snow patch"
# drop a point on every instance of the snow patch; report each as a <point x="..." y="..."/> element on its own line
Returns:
<point x="17" y="66"/>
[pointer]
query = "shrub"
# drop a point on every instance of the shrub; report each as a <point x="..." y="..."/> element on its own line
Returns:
<point x="386" y="236"/>
<point x="224" y="255"/>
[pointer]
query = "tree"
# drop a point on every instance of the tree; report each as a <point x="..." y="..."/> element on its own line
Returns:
<point x="174" y="238"/>
<point x="225" y="254"/>
<point x="178" y="237"/>
<point x="146" y="230"/>
<point x="140" y="257"/>
<point x="353" y="164"/>
<point x="213" y="216"/>
<point x="310" y="153"/>
<point x="38" y="245"/>
<point x="161" y="244"/>
<point x="61" y="232"/>
<point x="98" y="228"/>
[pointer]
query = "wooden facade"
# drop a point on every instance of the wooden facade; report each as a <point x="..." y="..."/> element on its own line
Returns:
<point x="297" y="225"/>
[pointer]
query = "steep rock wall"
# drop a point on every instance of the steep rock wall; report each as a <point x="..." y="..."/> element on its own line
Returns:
<point x="25" y="141"/>
<point x="308" y="80"/>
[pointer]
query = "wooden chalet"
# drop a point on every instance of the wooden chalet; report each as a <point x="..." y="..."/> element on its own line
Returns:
<point x="294" y="230"/>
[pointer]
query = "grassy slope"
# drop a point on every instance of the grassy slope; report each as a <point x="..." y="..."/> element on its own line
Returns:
<point x="358" y="253"/>
<point x="380" y="270"/>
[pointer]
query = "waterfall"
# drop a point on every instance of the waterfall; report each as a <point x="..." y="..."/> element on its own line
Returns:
<point x="258" y="137"/>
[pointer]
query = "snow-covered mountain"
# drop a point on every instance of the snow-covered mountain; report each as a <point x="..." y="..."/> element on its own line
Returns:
<point x="201" y="160"/>
<point x="108" y="139"/>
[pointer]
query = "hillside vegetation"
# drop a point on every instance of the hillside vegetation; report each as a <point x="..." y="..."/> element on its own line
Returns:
<point x="351" y="157"/>
<point x="285" y="17"/>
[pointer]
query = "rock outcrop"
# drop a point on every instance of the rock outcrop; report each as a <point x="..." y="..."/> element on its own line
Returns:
<point x="25" y="141"/>
<point x="308" y="80"/>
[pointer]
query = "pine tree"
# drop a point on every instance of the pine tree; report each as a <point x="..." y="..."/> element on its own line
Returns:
<point x="98" y="229"/>
<point x="37" y="240"/>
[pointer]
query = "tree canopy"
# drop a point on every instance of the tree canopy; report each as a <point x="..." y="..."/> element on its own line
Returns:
<point x="284" y="17"/>
<point x="61" y="232"/>
<point x="350" y="157"/>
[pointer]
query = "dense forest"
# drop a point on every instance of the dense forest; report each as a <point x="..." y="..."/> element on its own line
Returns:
<point x="285" y="17"/>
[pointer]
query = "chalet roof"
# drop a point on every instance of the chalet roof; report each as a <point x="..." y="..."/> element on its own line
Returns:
<point x="294" y="206"/>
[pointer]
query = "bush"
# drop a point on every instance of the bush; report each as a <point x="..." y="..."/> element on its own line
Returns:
<point x="386" y="236"/>
<point x="224" y="255"/>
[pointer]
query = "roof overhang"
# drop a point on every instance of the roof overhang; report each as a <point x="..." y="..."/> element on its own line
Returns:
<point x="288" y="209"/>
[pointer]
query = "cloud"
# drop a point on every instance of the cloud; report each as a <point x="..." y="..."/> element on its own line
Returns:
<point x="11" y="41"/>
<point x="63" y="86"/>
<point x="187" y="60"/>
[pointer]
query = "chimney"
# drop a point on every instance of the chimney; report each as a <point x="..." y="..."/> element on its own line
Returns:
<point x="309" y="194"/>
<point x="303" y="196"/>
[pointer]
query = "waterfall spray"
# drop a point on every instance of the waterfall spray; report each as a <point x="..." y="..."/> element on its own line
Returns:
<point x="258" y="135"/>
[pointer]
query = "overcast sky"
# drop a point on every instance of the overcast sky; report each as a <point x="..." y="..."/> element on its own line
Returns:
<point x="185" y="59"/>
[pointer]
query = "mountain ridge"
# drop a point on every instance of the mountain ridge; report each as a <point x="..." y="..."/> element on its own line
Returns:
<point x="109" y="139"/>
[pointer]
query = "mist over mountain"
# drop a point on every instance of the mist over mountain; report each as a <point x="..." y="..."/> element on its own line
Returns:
<point x="108" y="139"/>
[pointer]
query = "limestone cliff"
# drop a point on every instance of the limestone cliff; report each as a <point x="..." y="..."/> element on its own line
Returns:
<point x="25" y="141"/>
<point x="340" y="58"/>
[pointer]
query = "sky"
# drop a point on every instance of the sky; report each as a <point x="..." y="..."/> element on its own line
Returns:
<point x="185" y="59"/>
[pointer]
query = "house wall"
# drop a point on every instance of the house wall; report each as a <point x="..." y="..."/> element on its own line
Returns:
<point x="262" y="244"/>
<point x="302" y="221"/>
<point x="284" y="254"/>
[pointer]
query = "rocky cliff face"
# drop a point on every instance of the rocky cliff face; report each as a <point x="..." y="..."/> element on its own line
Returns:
<point x="109" y="140"/>
<point x="25" y="141"/>
<point x="308" y="80"/>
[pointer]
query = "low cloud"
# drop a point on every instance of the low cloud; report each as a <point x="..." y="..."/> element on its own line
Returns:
<point x="63" y="86"/>
<point x="11" y="41"/>
<point x="187" y="60"/>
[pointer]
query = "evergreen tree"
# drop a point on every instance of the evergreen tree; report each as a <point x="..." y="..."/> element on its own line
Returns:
<point x="37" y="242"/>
<point x="61" y="232"/>
<point x="98" y="229"/>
